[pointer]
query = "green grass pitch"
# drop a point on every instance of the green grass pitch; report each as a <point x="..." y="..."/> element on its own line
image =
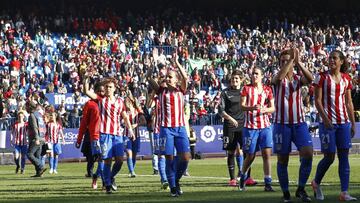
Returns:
<point x="207" y="183"/>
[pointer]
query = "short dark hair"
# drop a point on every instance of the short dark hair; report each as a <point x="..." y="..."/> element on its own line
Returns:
<point x="98" y="85"/>
<point x="236" y="72"/>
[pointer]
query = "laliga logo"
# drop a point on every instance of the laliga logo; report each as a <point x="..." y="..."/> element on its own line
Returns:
<point x="208" y="134"/>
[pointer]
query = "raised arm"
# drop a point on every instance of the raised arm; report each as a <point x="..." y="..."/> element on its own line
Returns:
<point x="184" y="77"/>
<point x="308" y="77"/>
<point x="87" y="91"/>
<point x="153" y="84"/>
<point x="284" y="70"/>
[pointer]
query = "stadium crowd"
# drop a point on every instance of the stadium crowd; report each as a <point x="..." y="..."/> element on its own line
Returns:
<point x="137" y="70"/>
<point x="51" y="53"/>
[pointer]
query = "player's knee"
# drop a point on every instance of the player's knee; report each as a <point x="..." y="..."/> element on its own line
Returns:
<point x="185" y="156"/>
<point x="230" y="154"/>
<point x="283" y="160"/>
<point x="329" y="157"/>
<point x="169" y="157"/>
<point x="250" y="156"/>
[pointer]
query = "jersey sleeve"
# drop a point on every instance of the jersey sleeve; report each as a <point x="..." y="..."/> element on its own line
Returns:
<point x="319" y="80"/>
<point x="349" y="82"/>
<point x="270" y="95"/>
<point x="244" y="91"/>
<point x="83" y="124"/>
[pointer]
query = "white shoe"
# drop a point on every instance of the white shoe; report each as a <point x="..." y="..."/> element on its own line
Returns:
<point x="51" y="171"/>
<point x="344" y="196"/>
<point x="318" y="194"/>
<point x="55" y="171"/>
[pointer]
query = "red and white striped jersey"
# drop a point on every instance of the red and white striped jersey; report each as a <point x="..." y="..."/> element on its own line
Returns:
<point x="19" y="134"/>
<point x="157" y="112"/>
<point x="171" y="107"/>
<point x="134" y="119"/>
<point x="53" y="132"/>
<point x="333" y="96"/>
<point x="110" y="113"/>
<point x="255" y="119"/>
<point x="288" y="101"/>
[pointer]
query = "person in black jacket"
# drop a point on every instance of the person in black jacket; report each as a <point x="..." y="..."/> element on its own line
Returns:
<point x="37" y="129"/>
<point x="229" y="109"/>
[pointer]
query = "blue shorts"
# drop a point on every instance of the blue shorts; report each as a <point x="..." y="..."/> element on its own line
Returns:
<point x="284" y="134"/>
<point x="256" y="139"/>
<point x="133" y="145"/>
<point x="57" y="148"/>
<point x="111" y="146"/>
<point x="338" y="137"/>
<point x="173" y="138"/>
<point x="21" y="149"/>
<point x="156" y="146"/>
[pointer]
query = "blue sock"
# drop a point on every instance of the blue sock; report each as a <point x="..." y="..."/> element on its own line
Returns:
<point x="322" y="167"/>
<point x="239" y="161"/>
<point x="23" y="162"/>
<point x="51" y="162"/>
<point x="304" y="171"/>
<point x="181" y="166"/>
<point x="267" y="180"/>
<point x="344" y="170"/>
<point x="162" y="171"/>
<point x="282" y="173"/>
<point x="130" y="164"/>
<point x="100" y="169"/>
<point x="170" y="172"/>
<point x="116" y="168"/>
<point x="155" y="162"/>
<point x="56" y="161"/>
<point x="134" y="162"/>
<point x="107" y="174"/>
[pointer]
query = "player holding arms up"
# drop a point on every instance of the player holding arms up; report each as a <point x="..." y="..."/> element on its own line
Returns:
<point x="19" y="139"/>
<point x="90" y="124"/>
<point x="289" y="122"/>
<point x="257" y="103"/>
<point x="337" y="124"/>
<point x="112" y="110"/>
<point x="172" y="125"/>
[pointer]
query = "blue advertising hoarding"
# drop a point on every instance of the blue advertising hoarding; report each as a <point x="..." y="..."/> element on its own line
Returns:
<point x="209" y="140"/>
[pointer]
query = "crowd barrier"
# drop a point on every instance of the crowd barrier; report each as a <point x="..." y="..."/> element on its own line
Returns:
<point x="209" y="140"/>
